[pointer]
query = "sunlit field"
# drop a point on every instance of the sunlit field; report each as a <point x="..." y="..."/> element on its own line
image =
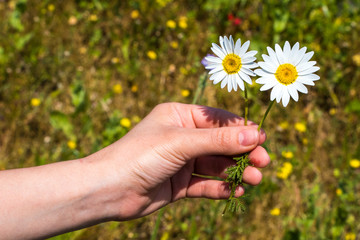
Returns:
<point x="76" y="76"/>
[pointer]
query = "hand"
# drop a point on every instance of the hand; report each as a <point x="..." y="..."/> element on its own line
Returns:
<point x="153" y="164"/>
<point x="148" y="168"/>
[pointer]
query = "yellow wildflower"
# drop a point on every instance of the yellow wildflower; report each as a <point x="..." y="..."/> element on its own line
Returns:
<point x="12" y="5"/>
<point x="356" y="59"/>
<point x="71" y="144"/>
<point x="82" y="50"/>
<point x="287" y="154"/>
<point x="332" y="111"/>
<point x="125" y="122"/>
<point x="171" y="24"/>
<point x="152" y="55"/>
<point x="163" y="3"/>
<point x="350" y="236"/>
<point x="305" y="141"/>
<point x="284" y="125"/>
<point x="275" y="212"/>
<point x="183" y="22"/>
<point x="136" y="119"/>
<point x="339" y="191"/>
<point x="72" y="20"/>
<point x="134" y="88"/>
<point x="184" y="71"/>
<point x="285" y="170"/>
<point x="93" y="17"/>
<point x="35" y="102"/>
<point x="135" y="14"/>
<point x="300" y="127"/>
<point x="355" y="163"/>
<point x="115" y="60"/>
<point x="174" y="44"/>
<point x="117" y="88"/>
<point x="185" y="93"/>
<point x="51" y="7"/>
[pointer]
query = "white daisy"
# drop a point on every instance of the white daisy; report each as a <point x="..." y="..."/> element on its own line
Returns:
<point x="232" y="64"/>
<point x="286" y="72"/>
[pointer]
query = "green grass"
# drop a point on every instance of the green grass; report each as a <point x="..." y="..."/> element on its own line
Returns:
<point x="70" y="55"/>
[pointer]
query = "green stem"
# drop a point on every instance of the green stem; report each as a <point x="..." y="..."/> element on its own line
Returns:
<point x="200" y="88"/>
<point x="265" y="115"/>
<point x="233" y="188"/>
<point x="157" y="224"/>
<point x="246" y="105"/>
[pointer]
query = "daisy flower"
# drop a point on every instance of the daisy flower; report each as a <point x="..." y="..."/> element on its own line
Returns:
<point x="286" y="71"/>
<point x="232" y="64"/>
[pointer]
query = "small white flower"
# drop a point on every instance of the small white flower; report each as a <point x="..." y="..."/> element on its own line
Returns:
<point x="286" y="72"/>
<point x="232" y="64"/>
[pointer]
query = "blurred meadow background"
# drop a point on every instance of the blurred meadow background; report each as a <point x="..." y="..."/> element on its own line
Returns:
<point x="77" y="75"/>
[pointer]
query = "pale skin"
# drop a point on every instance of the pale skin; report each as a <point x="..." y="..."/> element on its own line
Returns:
<point x="148" y="168"/>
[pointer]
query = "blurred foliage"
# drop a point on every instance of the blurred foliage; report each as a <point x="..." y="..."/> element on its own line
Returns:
<point x="61" y="60"/>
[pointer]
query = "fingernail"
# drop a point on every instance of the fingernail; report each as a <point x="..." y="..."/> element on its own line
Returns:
<point x="248" y="137"/>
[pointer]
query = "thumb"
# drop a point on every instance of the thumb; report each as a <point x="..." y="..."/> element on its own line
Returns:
<point x="221" y="141"/>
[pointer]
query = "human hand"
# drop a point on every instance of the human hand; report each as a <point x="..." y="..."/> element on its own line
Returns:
<point x="153" y="164"/>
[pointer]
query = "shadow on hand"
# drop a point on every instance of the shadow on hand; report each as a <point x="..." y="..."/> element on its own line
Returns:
<point x="220" y="117"/>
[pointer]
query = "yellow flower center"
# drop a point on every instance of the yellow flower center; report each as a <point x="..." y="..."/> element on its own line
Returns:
<point x="286" y="74"/>
<point x="231" y="63"/>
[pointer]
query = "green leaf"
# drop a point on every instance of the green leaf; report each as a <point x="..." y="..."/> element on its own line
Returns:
<point x="353" y="107"/>
<point x="78" y="96"/>
<point x="62" y="122"/>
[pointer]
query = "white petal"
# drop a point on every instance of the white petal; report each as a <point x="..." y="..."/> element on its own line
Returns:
<point x="237" y="47"/>
<point x="232" y="43"/>
<point x="240" y="82"/>
<point x="300" y="87"/>
<point x="245" y="77"/>
<point x="287" y="51"/>
<point x="285" y="98"/>
<point x="229" y="84"/>
<point x="213" y="59"/>
<point x="312" y="77"/>
<point x="262" y="80"/>
<point x="266" y="58"/>
<point x="305" y="81"/>
<point x="217" y="77"/>
<point x="268" y="67"/>
<point x="262" y="73"/>
<point x="275" y="91"/>
<point x="249" y="54"/>
<point x="218" y="51"/>
<point x="224" y="81"/>
<point x="298" y="56"/>
<point x="244" y="48"/>
<point x="293" y="52"/>
<point x="280" y="94"/>
<point x="227" y="45"/>
<point x="307" y="57"/>
<point x="272" y="56"/>
<point x="234" y="83"/>
<point x="279" y="54"/>
<point x="248" y="72"/>
<point x="308" y="71"/>
<point x="248" y="60"/>
<point x="221" y="41"/>
<point x="212" y="65"/>
<point x="216" y="69"/>
<point x="252" y="65"/>
<point x="304" y="66"/>
<point x="293" y="92"/>
<point x="268" y="85"/>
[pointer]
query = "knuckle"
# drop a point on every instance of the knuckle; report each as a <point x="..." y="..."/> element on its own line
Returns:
<point x="222" y="138"/>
